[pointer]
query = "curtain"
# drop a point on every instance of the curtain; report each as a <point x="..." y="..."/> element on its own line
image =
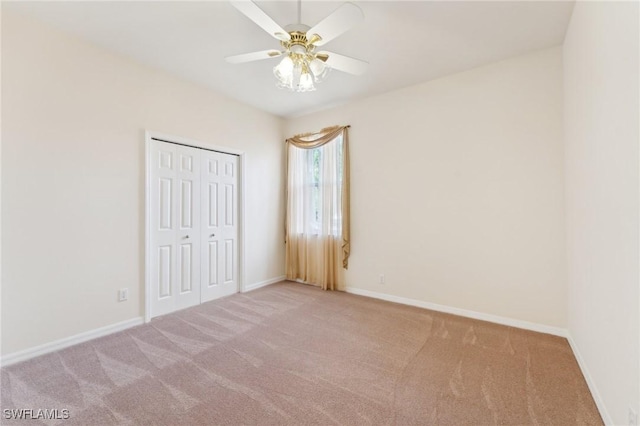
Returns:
<point x="317" y="225"/>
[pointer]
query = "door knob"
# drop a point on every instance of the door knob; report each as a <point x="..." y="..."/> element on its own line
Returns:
<point x="186" y="237"/>
<point x="212" y="235"/>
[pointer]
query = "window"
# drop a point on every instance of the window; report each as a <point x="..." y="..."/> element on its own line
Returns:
<point x="320" y="178"/>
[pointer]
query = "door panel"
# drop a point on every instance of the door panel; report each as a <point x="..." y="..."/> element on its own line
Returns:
<point x="221" y="231"/>
<point x="228" y="205"/>
<point x="213" y="263"/>
<point x="189" y="231"/>
<point x="186" y="204"/>
<point x="186" y="265"/>
<point x="165" y="203"/>
<point x="228" y="258"/>
<point x="174" y="225"/>
<point x="162" y="228"/>
<point x="164" y="272"/>
<point x="212" y="212"/>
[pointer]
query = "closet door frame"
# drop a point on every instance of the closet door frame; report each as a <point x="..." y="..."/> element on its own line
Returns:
<point x="149" y="135"/>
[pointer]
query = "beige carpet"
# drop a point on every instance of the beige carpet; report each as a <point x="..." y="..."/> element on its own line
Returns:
<point x="293" y="354"/>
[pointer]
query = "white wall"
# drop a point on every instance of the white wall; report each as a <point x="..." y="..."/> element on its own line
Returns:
<point x="0" y="181"/>
<point x="73" y="119"/>
<point x="601" y="119"/>
<point x="457" y="189"/>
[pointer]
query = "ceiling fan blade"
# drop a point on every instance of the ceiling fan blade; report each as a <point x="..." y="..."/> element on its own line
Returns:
<point x="343" y="63"/>
<point x="253" y="56"/>
<point x="264" y="21"/>
<point x="341" y="20"/>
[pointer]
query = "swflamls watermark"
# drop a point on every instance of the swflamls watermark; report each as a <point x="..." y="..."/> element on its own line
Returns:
<point x="35" y="414"/>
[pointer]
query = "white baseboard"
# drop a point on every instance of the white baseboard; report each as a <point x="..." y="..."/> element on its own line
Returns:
<point x="68" y="341"/>
<point x="261" y="284"/>
<point x="541" y="328"/>
<point x="606" y="418"/>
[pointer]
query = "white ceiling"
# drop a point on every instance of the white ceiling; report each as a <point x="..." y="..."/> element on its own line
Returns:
<point x="405" y="42"/>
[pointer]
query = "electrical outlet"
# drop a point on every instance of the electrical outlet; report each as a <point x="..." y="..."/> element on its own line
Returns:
<point x="123" y="294"/>
<point x="633" y="417"/>
<point x="381" y="280"/>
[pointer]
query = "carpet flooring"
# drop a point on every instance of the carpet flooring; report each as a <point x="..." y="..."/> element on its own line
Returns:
<point x="290" y="354"/>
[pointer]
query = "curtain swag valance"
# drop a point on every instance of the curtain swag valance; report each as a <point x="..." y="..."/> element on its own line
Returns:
<point x="315" y="140"/>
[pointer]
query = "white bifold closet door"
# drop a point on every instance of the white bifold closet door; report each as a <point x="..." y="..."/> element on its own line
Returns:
<point x="193" y="226"/>
<point x="219" y="254"/>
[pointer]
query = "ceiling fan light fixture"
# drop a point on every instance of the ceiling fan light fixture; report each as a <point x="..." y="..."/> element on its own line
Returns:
<point x="299" y="72"/>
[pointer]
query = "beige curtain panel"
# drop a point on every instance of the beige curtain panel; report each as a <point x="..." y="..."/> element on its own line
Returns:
<point x="318" y="246"/>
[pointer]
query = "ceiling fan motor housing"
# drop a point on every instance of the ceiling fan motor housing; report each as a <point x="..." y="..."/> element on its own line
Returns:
<point x="298" y="43"/>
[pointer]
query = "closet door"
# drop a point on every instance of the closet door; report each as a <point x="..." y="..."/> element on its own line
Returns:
<point x="189" y="226"/>
<point x="174" y="219"/>
<point x="219" y="225"/>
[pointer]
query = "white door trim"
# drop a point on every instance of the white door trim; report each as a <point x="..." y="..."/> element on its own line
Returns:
<point x="147" y="199"/>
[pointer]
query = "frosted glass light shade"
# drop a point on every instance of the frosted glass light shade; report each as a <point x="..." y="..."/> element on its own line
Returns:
<point x="319" y="69"/>
<point x="284" y="69"/>
<point x="298" y="73"/>
<point x="306" y="83"/>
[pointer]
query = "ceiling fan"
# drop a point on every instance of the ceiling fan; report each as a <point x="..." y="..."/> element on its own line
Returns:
<point x="302" y="65"/>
